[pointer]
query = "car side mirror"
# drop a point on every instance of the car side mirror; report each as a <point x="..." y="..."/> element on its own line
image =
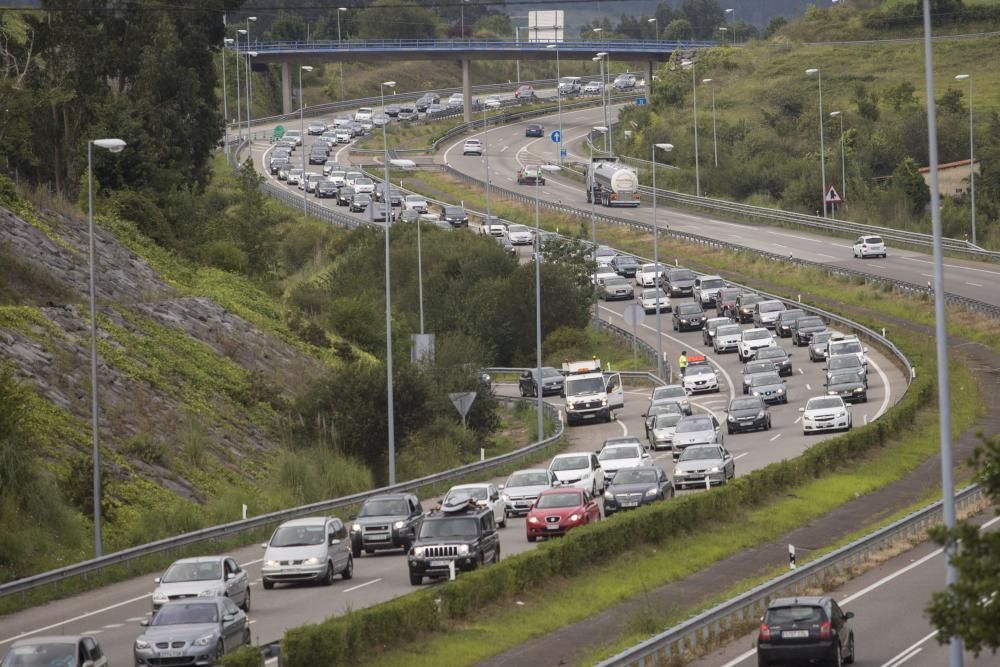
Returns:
<point x="264" y="545"/>
<point x="825" y="368"/>
<point x="866" y="352"/>
<point x="228" y="617"/>
<point x="802" y="409"/>
<point x="229" y="575"/>
<point x="849" y="615"/>
<point x="156" y="581"/>
<point x="144" y="623"/>
<point x="501" y="487"/>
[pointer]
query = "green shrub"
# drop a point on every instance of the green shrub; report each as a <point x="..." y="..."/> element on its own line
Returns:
<point x="246" y="656"/>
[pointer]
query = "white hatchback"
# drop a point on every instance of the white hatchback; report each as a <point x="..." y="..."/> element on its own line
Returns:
<point x="869" y="246"/>
<point x="825" y="413"/>
<point x="485" y="495"/>
<point x="472" y="147"/>
<point x="752" y="340"/>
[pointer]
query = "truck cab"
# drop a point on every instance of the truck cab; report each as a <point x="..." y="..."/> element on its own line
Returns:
<point x="591" y="394"/>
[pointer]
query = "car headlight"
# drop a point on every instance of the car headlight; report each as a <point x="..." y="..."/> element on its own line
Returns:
<point x="206" y="640"/>
<point x="463" y="549"/>
<point x="841" y="414"/>
<point x="861" y="372"/>
<point x="505" y="497"/>
<point x="686" y="403"/>
<point x="532" y="519"/>
<point x="418" y="552"/>
<point x="609" y="496"/>
<point x="756" y="393"/>
<point x="651" y="492"/>
<point x="831" y="393"/>
<point x="311" y="561"/>
<point x="858" y="390"/>
<point x="684" y="321"/>
<point x="677" y="472"/>
<point x="270" y="563"/>
<point x="159" y="597"/>
<point x="731" y="418"/>
<point x="356" y="528"/>
<point x="574" y="517"/>
<point x="141" y="644"/>
<point x="714" y="469"/>
<point x="781" y="390"/>
<point x="760" y="415"/>
<point x="604" y="402"/>
<point x="209" y="593"/>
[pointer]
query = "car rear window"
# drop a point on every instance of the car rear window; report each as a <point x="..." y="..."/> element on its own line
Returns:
<point x="874" y="240"/>
<point x="797" y="614"/>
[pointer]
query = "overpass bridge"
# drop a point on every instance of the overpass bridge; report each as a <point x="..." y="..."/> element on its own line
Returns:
<point x="290" y="55"/>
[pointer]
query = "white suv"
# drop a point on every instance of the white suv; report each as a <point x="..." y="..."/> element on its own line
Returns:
<point x="752" y="340"/>
<point x="472" y="147"/>
<point x="581" y="470"/>
<point x="869" y="246"/>
<point x="485" y="495"/>
<point x="363" y="114"/>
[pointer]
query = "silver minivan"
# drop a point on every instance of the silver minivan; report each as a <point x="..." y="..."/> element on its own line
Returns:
<point x="312" y="549"/>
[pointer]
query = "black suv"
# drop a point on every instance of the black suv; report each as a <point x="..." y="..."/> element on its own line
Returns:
<point x="805" y="630"/>
<point x="785" y="321"/>
<point x="389" y="521"/>
<point x="747" y="414"/>
<point x="463" y="533"/>
<point x="688" y="317"/>
<point x="624" y="265"/>
<point x="744" y="306"/>
<point x="456" y="216"/>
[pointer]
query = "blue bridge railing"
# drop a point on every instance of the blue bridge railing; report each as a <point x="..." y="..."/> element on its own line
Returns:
<point x="466" y="45"/>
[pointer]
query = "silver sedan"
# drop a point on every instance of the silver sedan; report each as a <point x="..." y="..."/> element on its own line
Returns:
<point x="192" y="632"/>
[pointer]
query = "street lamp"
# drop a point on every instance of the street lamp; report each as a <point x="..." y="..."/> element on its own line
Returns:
<point x="593" y="220"/>
<point x="239" y="113"/>
<point x="486" y="157"/>
<point x="114" y="146"/>
<point x="694" y="90"/>
<point x="558" y="101"/>
<point x="732" y="10"/>
<point x="225" y="94"/>
<point x="604" y="102"/>
<point x="538" y="296"/>
<point x="249" y="54"/>
<point x="822" y="148"/>
<point x="715" y="133"/>
<point x="388" y="300"/>
<point x="656" y="28"/>
<point x="339" y="11"/>
<point x="302" y="134"/>
<point x="843" y="159"/>
<point x="656" y="263"/>
<point x="972" y="161"/>
<point x="462" y="6"/>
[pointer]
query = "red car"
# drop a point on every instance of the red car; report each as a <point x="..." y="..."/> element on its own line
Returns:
<point x="559" y="509"/>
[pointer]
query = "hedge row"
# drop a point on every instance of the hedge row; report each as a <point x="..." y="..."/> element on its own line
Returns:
<point x="340" y="640"/>
<point x="246" y="656"/>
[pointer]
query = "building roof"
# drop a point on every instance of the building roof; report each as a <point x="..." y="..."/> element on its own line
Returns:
<point x="947" y="165"/>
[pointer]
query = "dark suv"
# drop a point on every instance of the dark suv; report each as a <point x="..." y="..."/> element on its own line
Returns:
<point x="786" y="320"/>
<point x="805" y="630"/>
<point x="389" y="521"/>
<point x="464" y="534"/>
<point x="456" y="216"/>
<point x="688" y="317"/>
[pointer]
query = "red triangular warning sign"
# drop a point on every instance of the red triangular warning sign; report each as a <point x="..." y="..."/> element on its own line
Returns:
<point x="832" y="197"/>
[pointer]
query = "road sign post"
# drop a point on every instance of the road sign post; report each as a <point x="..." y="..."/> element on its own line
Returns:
<point x="634" y="315"/>
<point x="640" y="101"/>
<point x="462" y="402"/>
<point x="556" y="136"/>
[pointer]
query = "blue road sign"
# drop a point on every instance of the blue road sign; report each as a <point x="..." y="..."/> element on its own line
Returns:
<point x="562" y="152"/>
<point x="640" y="101"/>
<point x="556" y="136"/>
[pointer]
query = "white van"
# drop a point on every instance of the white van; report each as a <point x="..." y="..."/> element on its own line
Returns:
<point x="625" y="82"/>
<point x="363" y="114"/>
<point x="569" y="85"/>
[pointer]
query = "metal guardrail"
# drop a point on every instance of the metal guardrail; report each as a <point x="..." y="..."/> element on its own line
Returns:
<point x="264" y="520"/>
<point x="974" y="305"/>
<point x="739" y="613"/>
<point x="616" y="46"/>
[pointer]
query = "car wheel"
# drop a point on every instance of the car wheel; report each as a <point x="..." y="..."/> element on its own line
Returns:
<point x="369" y="551"/>
<point x="267" y="584"/>
<point x="532" y="538"/>
<point x="416" y="580"/>
<point x="246" y="637"/>
<point x="496" y="556"/>
<point x="246" y="602"/>
<point x="836" y="660"/>
<point x="327" y="575"/>
<point x="520" y="390"/>
<point x="503" y="522"/>
<point x="761" y="661"/>
<point x="593" y="489"/>
<point x="729" y="431"/>
<point x="849" y="658"/>
<point x="348" y="572"/>
<point x="220" y="651"/>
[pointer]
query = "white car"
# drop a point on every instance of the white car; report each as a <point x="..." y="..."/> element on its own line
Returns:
<point x="294" y="176"/>
<point x="603" y="273"/>
<point x="486" y="495"/>
<point x="293" y="135"/>
<point x="825" y="413"/>
<point x="654" y="299"/>
<point x="363" y="114"/>
<point x="604" y="255"/>
<point x="520" y="235"/>
<point x="492" y="102"/>
<point x="472" y="147"/>
<point x="351" y="177"/>
<point x="620" y="453"/>
<point x="456" y="100"/>
<point x="592" y="88"/>
<point x="700" y="377"/>
<point x="752" y="340"/>
<point x="649" y="275"/>
<point x="205" y="576"/>
<point x="581" y="470"/>
<point x="338" y="177"/>
<point x="846" y="345"/>
<point x="706" y="288"/>
<point x="415" y="203"/>
<point x="727" y="338"/>
<point x="869" y="246"/>
<point x="343" y="136"/>
<point x="365" y="185"/>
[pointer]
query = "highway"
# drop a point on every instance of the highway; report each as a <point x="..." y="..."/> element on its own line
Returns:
<point x="890" y="629"/>
<point x="112" y="613"/>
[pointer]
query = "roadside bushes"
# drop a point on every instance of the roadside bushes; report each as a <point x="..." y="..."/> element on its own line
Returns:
<point x="337" y="641"/>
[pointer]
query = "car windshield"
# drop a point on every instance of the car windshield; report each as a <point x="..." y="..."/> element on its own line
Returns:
<point x="42" y="654"/>
<point x="729" y="294"/>
<point x="771" y="307"/>
<point x="553" y="500"/>
<point x="363" y="181"/>
<point x="450" y="527"/>
<point x="625" y="259"/>
<point x="713" y="283"/>
<point x="845" y="361"/>
<point x="728" y="330"/>
<point x="672" y="391"/>
<point x="550" y="373"/>
<point x="570" y="463"/>
<point x="477" y="492"/>
<point x="844" y="378"/>
<point x="185" y="613"/>
<point x="636" y="476"/>
<point x="811" y="321"/>
<point x="384" y="507"/>
<point x="651" y="268"/>
<point x="771" y="353"/>
<point x="517" y="229"/>
<point x="415" y="199"/>
<point x="694" y="425"/>
<point x="653" y="294"/>
<point x="615" y="281"/>
<point x="753" y="334"/>
<point x="207" y="571"/>
<point x="681" y="274"/>
<point x="790" y="615"/>
<point x="619" y="452"/>
<point x="701" y="453"/>
<point x="847" y="347"/>
<point x="584" y="386"/>
<point x="697" y="369"/>
<point x="824" y="403"/>
<point x="765" y="379"/>
<point x="822" y="337"/>
<point x="606" y="252"/>
<point x="666" y="420"/>
<point x="688" y="309"/>
<point x="745" y="404"/>
<point x="758" y="367"/>
<point x="527" y="479"/>
<point x="297" y="536"/>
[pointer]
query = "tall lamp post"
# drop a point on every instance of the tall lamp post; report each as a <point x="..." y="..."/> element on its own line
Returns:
<point x="694" y="91"/>
<point x="538" y="296"/>
<point x="388" y="303"/>
<point x="239" y="113"/>
<point x="225" y="94"/>
<point x="486" y="157"/>
<point x="972" y="161"/>
<point x="558" y="102"/>
<point x="843" y="158"/>
<point x="656" y="28"/>
<point x="302" y="134"/>
<point x="822" y="147"/>
<point x="249" y="54"/>
<point x="462" y="6"/>
<point x="656" y="262"/>
<point x="732" y="10"/>
<point x="115" y="146"/>
<point x="715" y="132"/>
<point x="604" y="102"/>
<point x="340" y="10"/>
<point x="593" y="221"/>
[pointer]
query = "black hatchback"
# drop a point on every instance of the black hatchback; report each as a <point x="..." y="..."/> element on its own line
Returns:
<point x="533" y="130"/>
<point x="778" y="356"/>
<point x="747" y="414"/>
<point x="688" y="317"/>
<point x="805" y="630"/>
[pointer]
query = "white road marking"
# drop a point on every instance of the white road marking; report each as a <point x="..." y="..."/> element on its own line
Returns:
<point x="136" y="619"/>
<point x="903" y="657"/>
<point x="112" y="626"/>
<point x="885" y="383"/>
<point x="367" y="583"/>
<point x="91" y="632"/>
<point x="739" y="456"/>
<point x="974" y="284"/>
<point x="622" y="424"/>
<point x="819" y="254"/>
<point x="808" y="387"/>
<point x="75" y="618"/>
<point x="953" y="266"/>
<point x="775" y="437"/>
<point x="797" y="420"/>
<point x="801" y="372"/>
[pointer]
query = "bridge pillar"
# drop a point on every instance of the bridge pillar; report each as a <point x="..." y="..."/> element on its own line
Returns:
<point x="286" y="87"/>
<point x="466" y="91"/>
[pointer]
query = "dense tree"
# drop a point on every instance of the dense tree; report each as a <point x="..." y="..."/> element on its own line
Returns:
<point x="774" y="25"/>
<point x="397" y="19"/>
<point x="705" y="17"/>
<point x="679" y="29"/>
<point x="288" y="27"/>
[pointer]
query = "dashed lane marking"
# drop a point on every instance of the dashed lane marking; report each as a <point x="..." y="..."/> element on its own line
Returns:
<point x="367" y="583"/>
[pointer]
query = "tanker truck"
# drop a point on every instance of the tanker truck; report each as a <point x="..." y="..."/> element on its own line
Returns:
<point x="611" y="183"/>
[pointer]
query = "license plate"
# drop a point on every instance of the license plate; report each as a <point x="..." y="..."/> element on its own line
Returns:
<point x="556" y="527"/>
<point x="171" y="654"/>
<point x="630" y="503"/>
<point x="794" y="634"/>
<point x="439" y="563"/>
<point x="376" y="538"/>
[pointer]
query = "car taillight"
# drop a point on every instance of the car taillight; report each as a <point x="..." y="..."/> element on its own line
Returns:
<point x="636" y="196"/>
<point x="614" y="195"/>
<point x="825" y="630"/>
<point x="765" y="633"/>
